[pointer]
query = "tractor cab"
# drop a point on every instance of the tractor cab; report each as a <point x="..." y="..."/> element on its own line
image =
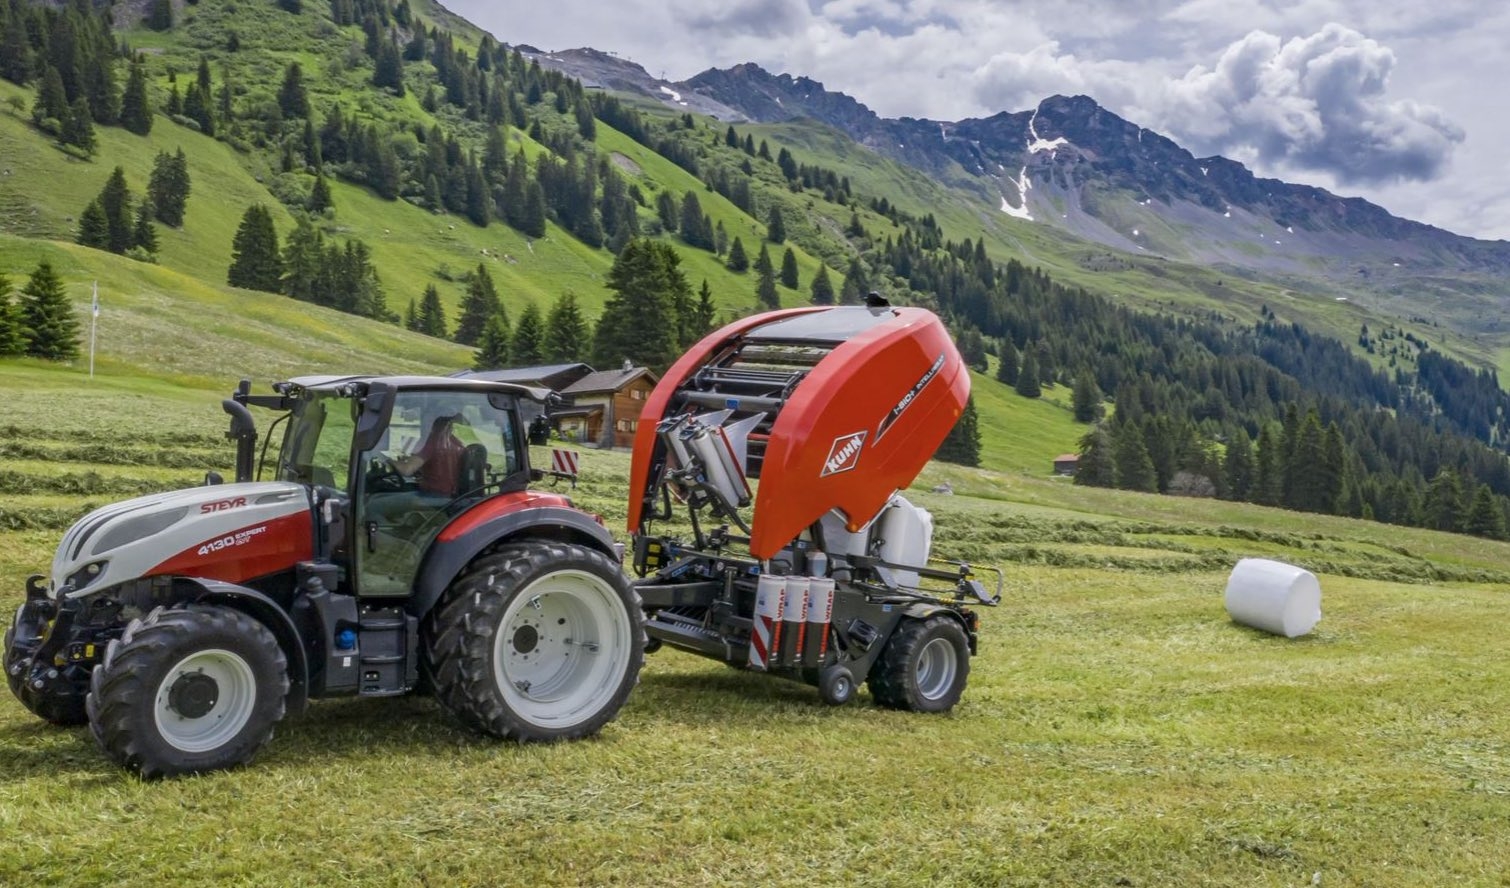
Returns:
<point x="390" y="461"/>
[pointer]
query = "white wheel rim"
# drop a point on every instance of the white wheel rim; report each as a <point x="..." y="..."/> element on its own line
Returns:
<point x="562" y="649"/>
<point x="938" y="662"/>
<point x="234" y="700"/>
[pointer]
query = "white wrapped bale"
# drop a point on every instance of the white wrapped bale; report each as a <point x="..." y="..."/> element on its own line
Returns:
<point x="1274" y="596"/>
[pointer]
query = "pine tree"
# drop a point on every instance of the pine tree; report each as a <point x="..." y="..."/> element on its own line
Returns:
<point x="51" y="330"/>
<point x="293" y="101"/>
<point x="823" y="289"/>
<point x="962" y="446"/>
<point x="168" y="188"/>
<point x="52" y="99"/>
<point x="1006" y="369"/>
<point x="692" y="223"/>
<point x="159" y="15"/>
<point x="1443" y="507"/>
<point x="640" y="321"/>
<point x="1268" y="474"/>
<point x="94" y="229"/>
<point x="775" y="230"/>
<point x="12" y="333"/>
<point x="1135" y="469"/>
<point x="143" y="233"/>
<point x="1238" y="467"/>
<point x="115" y="200"/>
<point x="566" y="331"/>
<point x="136" y="111"/>
<point x="319" y="195"/>
<point x="432" y="315"/>
<point x="1027" y="376"/>
<point x="493" y="344"/>
<point x="765" y="281"/>
<point x="411" y="316"/>
<point x="304" y="263"/>
<point x="1097" y="466"/>
<point x="528" y="346"/>
<point x="533" y="220"/>
<point x="1086" y="397"/>
<point x="255" y="261"/>
<point x="478" y="306"/>
<point x="1485" y="518"/>
<point x="1308" y="481"/>
<point x="703" y="314"/>
<point x="78" y="127"/>
<point x="789" y="270"/>
<point x="738" y="261"/>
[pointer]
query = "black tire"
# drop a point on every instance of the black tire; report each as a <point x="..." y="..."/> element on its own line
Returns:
<point x="836" y="685"/>
<point x="503" y="667"/>
<point x="49" y="704"/>
<point x="923" y="667"/>
<point x="188" y="690"/>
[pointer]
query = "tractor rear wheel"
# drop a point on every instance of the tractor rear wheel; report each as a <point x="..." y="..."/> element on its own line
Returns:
<point x="923" y="667"/>
<point x="188" y="690"/>
<point x="536" y="641"/>
<point x="52" y="703"/>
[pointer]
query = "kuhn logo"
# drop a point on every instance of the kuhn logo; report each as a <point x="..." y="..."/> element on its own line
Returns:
<point x="844" y="455"/>
<point x="222" y="505"/>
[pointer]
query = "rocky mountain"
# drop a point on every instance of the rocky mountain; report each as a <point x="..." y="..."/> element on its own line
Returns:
<point x="1075" y="166"/>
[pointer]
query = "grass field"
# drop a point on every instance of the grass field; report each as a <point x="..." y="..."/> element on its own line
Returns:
<point x="1118" y="728"/>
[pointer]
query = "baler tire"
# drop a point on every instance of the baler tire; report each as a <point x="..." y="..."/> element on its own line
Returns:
<point x="499" y="642"/>
<point x="55" y="709"/>
<point x="134" y="711"/>
<point x="923" y="667"/>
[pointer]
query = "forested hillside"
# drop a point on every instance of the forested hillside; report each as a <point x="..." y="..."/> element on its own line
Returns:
<point x="388" y="161"/>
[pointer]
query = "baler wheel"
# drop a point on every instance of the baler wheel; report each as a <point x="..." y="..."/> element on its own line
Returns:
<point x="536" y="641"/>
<point x="923" y="667"/>
<point x="836" y="685"/>
<point x="188" y="690"/>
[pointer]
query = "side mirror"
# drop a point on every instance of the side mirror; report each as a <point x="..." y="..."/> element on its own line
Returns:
<point x="212" y="478"/>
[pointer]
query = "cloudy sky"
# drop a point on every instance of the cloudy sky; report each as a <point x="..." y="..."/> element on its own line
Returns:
<point x="1397" y="101"/>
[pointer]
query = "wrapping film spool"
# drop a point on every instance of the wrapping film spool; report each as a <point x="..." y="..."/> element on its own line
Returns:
<point x="1274" y="596"/>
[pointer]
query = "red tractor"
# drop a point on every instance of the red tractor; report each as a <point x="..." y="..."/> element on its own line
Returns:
<point x="828" y="579"/>
<point x="396" y="548"/>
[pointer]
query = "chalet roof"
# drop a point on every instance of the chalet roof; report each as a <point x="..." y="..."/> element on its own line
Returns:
<point x="1067" y="457"/>
<point x="608" y="381"/>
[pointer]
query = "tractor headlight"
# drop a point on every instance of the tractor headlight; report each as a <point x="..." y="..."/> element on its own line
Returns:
<point x="86" y="575"/>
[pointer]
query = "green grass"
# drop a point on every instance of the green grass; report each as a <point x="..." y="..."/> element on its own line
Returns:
<point x="1118" y="728"/>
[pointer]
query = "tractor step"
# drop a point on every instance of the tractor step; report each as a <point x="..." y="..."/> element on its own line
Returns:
<point x="389" y="651"/>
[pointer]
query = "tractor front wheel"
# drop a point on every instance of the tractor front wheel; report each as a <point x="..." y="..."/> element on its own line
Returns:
<point x="536" y="641"/>
<point x="188" y="690"/>
<point x="923" y="667"/>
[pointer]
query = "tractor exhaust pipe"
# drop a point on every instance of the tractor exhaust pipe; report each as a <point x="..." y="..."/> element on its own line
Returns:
<point x="243" y="431"/>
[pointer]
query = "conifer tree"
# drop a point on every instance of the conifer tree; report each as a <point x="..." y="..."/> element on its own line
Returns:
<point x="136" y="111"/>
<point x="775" y="227"/>
<point x="411" y="315"/>
<point x="168" y="188"/>
<point x="52" y="99"/>
<point x="738" y="261"/>
<point x="478" y="306"/>
<point x="765" y="281"/>
<point x="94" y="229"/>
<point x="293" y="101"/>
<point x="1027" y="376"/>
<point x="962" y="446"/>
<point x="1442" y="508"/>
<point x="78" y="128"/>
<point x="1485" y="518"/>
<point x="789" y="270"/>
<point x="304" y="262"/>
<point x="12" y="333"/>
<point x="493" y="344"/>
<point x="1135" y="470"/>
<point x="115" y="200"/>
<point x="255" y="261"/>
<point x="47" y="320"/>
<point x="1097" y="465"/>
<point x="1238" y="467"/>
<point x="1006" y="369"/>
<point x="143" y="233"/>
<point x="566" y="331"/>
<point x="1086" y="397"/>
<point x="159" y="15"/>
<point x="1268" y="473"/>
<point x="823" y="289"/>
<point x="640" y="321"/>
<point x="432" y="315"/>
<point x="533" y="220"/>
<point x="703" y="314"/>
<point x="528" y="346"/>
<point x="319" y="195"/>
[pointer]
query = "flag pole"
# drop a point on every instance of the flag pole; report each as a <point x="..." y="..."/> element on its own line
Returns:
<point x="94" y="321"/>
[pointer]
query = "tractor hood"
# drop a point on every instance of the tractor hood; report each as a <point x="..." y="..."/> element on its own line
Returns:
<point x="230" y="532"/>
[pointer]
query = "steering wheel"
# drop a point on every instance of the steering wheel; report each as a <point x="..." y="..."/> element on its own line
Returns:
<point x="383" y="476"/>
